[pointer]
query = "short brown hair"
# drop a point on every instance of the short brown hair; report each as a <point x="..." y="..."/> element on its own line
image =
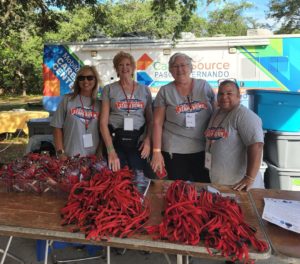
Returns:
<point x="123" y="55"/>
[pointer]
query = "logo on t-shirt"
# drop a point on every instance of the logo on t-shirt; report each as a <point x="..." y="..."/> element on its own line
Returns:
<point x="215" y="133"/>
<point x="84" y="114"/>
<point x="192" y="107"/>
<point x="130" y="104"/>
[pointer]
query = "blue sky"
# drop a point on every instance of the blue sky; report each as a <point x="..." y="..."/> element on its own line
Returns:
<point x="258" y="11"/>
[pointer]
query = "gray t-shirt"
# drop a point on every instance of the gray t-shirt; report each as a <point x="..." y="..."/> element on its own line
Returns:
<point x="119" y="105"/>
<point x="228" y="136"/>
<point x="72" y="118"/>
<point x="177" y="138"/>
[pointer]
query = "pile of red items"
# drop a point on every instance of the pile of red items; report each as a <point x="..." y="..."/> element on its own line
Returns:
<point x="161" y="174"/>
<point x="109" y="204"/>
<point x="191" y="216"/>
<point x="40" y="173"/>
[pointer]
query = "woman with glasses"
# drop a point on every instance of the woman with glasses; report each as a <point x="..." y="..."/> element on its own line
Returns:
<point x="234" y="141"/>
<point x="126" y="117"/>
<point x="182" y="110"/>
<point x="75" y="122"/>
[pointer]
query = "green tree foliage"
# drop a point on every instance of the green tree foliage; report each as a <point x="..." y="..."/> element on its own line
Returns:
<point x="288" y="13"/>
<point x="185" y="8"/>
<point x="27" y="25"/>
<point x="229" y="21"/>
<point x="198" y="26"/>
<point x="75" y="26"/>
<point x="136" y="16"/>
<point x="20" y="60"/>
<point x="14" y="13"/>
<point x="22" y="27"/>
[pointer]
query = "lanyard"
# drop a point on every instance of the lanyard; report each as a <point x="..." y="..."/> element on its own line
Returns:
<point x="220" y="123"/>
<point x="86" y="122"/>
<point x="131" y="95"/>
<point x="189" y="97"/>
<point x="190" y="100"/>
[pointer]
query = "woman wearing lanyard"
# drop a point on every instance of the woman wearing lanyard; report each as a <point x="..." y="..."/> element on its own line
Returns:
<point x="126" y="117"/>
<point x="234" y="141"/>
<point x="75" y="122"/>
<point x="182" y="111"/>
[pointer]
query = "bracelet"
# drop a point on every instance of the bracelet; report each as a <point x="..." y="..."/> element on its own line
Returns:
<point x="110" y="148"/>
<point x="60" y="152"/>
<point x="250" y="178"/>
<point x="156" y="150"/>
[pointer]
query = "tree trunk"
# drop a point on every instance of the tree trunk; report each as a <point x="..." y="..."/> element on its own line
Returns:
<point x="22" y="82"/>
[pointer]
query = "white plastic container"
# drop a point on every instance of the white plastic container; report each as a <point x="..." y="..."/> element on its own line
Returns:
<point x="282" y="149"/>
<point x="281" y="178"/>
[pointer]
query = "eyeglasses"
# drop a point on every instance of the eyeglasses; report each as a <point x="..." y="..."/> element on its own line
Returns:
<point x="179" y="66"/>
<point x="227" y="80"/>
<point x="89" y="78"/>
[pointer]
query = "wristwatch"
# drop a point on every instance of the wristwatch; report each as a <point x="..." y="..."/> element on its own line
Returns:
<point x="60" y="152"/>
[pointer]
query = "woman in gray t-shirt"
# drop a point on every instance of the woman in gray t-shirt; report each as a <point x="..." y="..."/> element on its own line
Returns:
<point x="126" y="117"/>
<point x="76" y="121"/>
<point x="182" y="110"/>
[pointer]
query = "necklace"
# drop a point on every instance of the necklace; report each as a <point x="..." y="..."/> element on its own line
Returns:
<point x="126" y="97"/>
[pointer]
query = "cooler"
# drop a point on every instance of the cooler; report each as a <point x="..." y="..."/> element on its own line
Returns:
<point x="278" y="110"/>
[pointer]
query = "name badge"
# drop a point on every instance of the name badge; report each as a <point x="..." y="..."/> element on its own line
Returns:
<point x="190" y="120"/>
<point x="128" y="123"/>
<point x="208" y="160"/>
<point x="87" y="140"/>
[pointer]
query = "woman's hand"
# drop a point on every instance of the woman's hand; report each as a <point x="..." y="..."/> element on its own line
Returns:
<point x="145" y="148"/>
<point x="113" y="161"/>
<point x="62" y="157"/>
<point x="244" y="184"/>
<point x="157" y="162"/>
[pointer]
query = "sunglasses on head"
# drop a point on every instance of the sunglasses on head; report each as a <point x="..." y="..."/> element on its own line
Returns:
<point x="89" y="78"/>
<point x="230" y="80"/>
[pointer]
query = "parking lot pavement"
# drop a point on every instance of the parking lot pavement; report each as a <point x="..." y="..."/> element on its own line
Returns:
<point x="25" y="249"/>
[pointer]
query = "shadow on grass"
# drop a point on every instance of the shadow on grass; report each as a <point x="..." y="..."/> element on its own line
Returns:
<point x="30" y="103"/>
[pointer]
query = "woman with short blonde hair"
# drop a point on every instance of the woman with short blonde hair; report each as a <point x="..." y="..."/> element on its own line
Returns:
<point x="126" y="117"/>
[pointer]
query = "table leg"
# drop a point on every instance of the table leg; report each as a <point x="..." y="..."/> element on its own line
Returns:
<point x="46" y="252"/>
<point x="6" y="249"/>
<point x="182" y="259"/>
<point x="179" y="259"/>
<point x="186" y="259"/>
<point x="5" y="252"/>
<point x="167" y="258"/>
<point x="108" y="254"/>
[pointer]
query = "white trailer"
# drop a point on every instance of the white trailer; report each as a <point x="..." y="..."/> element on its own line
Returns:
<point x="256" y="62"/>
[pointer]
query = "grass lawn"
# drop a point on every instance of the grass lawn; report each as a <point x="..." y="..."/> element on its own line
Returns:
<point x="13" y="146"/>
<point x="11" y="149"/>
<point x="29" y="102"/>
